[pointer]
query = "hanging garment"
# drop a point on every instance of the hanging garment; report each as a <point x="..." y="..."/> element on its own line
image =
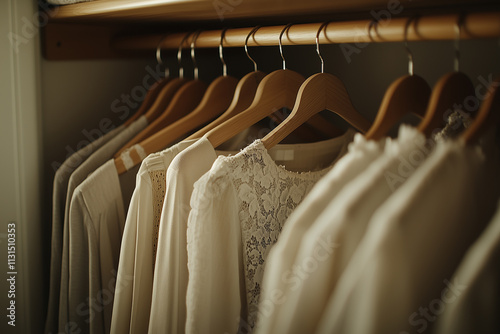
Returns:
<point x="97" y="159"/>
<point x="60" y="189"/>
<point x="327" y="246"/>
<point x="413" y="244"/>
<point x="238" y="209"/>
<point x="281" y="257"/>
<point x="97" y="218"/>
<point x="168" y="309"/>
<point x="139" y="245"/>
<point x="474" y="305"/>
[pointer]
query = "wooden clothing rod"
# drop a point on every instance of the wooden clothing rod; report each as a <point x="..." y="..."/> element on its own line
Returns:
<point x="424" y="28"/>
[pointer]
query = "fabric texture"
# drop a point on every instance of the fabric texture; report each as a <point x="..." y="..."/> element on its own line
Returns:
<point x="60" y="189"/>
<point x="168" y="307"/>
<point x="413" y="244"/>
<point x="281" y="257"/>
<point x="474" y="308"/>
<point x="97" y="219"/>
<point x="97" y="159"/>
<point x="139" y="244"/>
<point x="238" y="210"/>
<point x="327" y="246"/>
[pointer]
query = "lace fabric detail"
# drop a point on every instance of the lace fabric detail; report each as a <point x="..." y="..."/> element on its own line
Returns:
<point x="267" y="194"/>
<point x="158" y="188"/>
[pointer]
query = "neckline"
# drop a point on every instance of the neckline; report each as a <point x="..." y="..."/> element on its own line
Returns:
<point x="341" y="142"/>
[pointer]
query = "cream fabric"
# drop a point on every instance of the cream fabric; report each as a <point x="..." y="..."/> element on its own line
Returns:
<point x="97" y="218"/>
<point x="60" y="189"/>
<point x="475" y="305"/>
<point x="168" y="307"/>
<point x="327" y="246"/>
<point x="238" y="210"/>
<point x="137" y="260"/>
<point x="400" y="272"/>
<point x="97" y="159"/>
<point x="281" y="257"/>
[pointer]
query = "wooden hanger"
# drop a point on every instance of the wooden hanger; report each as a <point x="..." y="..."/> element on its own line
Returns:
<point x="216" y="100"/>
<point x="149" y="99"/>
<point x="487" y="117"/>
<point x="154" y="91"/>
<point x="322" y="91"/>
<point x="163" y="111"/>
<point x="277" y="90"/>
<point x="243" y="95"/>
<point x="409" y="93"/>
<point x="451" y="89"/>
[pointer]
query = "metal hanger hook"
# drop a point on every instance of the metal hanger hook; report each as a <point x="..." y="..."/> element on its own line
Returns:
<point x="324" y="25"/>
<point x="458" y="30"/>
<point x="281" y="46"/>
<point x="221" y="53"/>
<point x="179" y="56"/>
<point x="158" y="57"/>
<point x="410" y="54"/>
<point x="373" y="24"/>
<point x="193" y="57"/>
<point x="252" y="33"/>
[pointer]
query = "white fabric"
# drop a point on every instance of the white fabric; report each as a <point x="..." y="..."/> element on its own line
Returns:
<point x="401" y="270"/>
<point x="90" y="165"/>
<point x="281" y="257"/>
<point x="475" y="307"/>
<point x="168" y="307"/>
<point x="136" y="267"/>
<point x="60" y="190"/>
<point x="327" y="246"/>
<point x="238" y="210"/>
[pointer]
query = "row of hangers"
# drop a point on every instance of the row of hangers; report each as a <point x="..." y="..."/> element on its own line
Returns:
<point x="176" y="107"/>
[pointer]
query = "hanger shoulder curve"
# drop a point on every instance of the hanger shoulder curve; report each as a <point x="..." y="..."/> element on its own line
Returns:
<point x="451" y="90"/>
<point x="277" y="90"/>
<point x="488" y="115"/>
<point x="149" y="99"/>
<point x="216" y="100"/>
<point x="321" y="91"/>
<point x="163" y="99"/>
<point x="243" y="96"/>
<point x="185" y="99"/>
<point x="409" y="93"/>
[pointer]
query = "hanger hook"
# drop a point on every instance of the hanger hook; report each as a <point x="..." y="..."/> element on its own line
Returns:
<point x="179" y="56"/>
<point x="281" y="47"/>
<point x="193" y="57"/>
<point x="221" y="54"/>
<point x="373" y="23"/>
<point x="324" y="25"/>
<point x="252" y="33"/>
<point x="410" y="54"/>
<point x="458" y="30"/>
<point x="158" y="56"/>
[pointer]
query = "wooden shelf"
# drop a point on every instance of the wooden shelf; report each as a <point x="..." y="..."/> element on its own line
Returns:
<point x="192" y="11"/>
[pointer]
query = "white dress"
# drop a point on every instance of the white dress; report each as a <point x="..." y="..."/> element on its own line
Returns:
<point x="475" y="307"/>
<point x="59" y="192"/>
<point x="238" y="210"/>
<point x="402" y="269"/>
<point x="327" y="246"/>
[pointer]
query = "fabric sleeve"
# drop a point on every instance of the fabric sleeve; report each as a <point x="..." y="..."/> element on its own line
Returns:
<point x="215" y="267"/>
<point x="120" y="321"/>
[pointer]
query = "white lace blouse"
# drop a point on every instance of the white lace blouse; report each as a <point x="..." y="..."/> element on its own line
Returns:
<point x="237" y="212"/>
